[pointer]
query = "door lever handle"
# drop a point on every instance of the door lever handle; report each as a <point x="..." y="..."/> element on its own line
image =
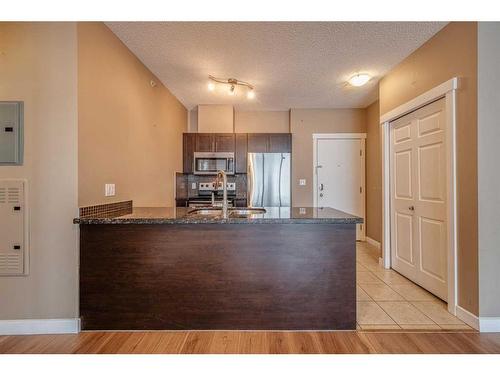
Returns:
<point x="321" y="187"/>
<point x="411" y="208"/>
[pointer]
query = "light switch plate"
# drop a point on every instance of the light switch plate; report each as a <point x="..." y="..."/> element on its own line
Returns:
<point x="109" y="190"/>
<point x="193" y="185"/>
<point x="302" y="182"/>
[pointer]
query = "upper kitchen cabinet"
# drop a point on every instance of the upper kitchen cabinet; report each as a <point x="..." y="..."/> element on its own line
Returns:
<point x="240" y="154"/>
<point x="224" y="142"/>
<point x="188" y="147"/>
<point x="210" y="142"/>
<point x="205" y="142"/>
<point x="280" y="142"/>
<point x="272" y="142"/>
<point x="258" y="142"/>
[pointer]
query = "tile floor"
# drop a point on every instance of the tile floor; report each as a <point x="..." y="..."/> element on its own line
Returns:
<point x="388" y="301"/>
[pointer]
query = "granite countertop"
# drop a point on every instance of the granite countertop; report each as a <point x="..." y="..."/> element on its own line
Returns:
<point x="273" y="215"/>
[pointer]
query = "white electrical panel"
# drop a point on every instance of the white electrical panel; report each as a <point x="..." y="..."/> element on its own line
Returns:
<point x="11" y="133"/>
<point x="12" y="228"/>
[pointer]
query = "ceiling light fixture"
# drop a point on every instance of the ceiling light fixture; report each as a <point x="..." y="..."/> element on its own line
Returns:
<point x="359" y="79"/>
<point x="232" y="83"/>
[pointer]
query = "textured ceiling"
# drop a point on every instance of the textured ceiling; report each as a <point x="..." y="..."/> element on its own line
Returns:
<point x="291" y="64"/>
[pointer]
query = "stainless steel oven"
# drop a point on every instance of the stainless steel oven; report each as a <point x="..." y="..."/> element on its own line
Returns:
<point x="212" y="162"/>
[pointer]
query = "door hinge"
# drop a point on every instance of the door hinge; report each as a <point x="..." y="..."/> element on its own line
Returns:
<point x="360" y="152"/>
<point x="360" y="190"/>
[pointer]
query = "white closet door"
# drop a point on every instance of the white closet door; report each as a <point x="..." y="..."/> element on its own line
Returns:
<point x="418" y="197"/>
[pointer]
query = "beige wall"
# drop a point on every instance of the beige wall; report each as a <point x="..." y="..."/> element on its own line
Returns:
<point x="215" y="118"/>
<point x="130" y="133"/>
<point x="373" y="173"/>
<point x="262" y="122"/>
<point x="38" y="65"/>
<point x="451" y="52"/>
<point x="305" y="122"/>
<point x="488" y="176"/>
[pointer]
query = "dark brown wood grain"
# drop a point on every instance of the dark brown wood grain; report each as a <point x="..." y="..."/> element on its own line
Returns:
<point x="241" y="153"/>
<point x="224" y="142"/>
<point x="188" y="147"/>
<point x="205" y="142"/>
<point x="280" y="142"/>
<point x="218" y="276"/>
<point x="269" y="142"/>
<point x="258" y="142"/>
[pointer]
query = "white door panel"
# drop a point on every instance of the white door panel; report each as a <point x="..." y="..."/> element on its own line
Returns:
<point x="340" y="176"/>
<point x="404" y="241"/>
<point x="418" y="197"/>
<point x="402" y="165"/>
<point x="432" y="262"/>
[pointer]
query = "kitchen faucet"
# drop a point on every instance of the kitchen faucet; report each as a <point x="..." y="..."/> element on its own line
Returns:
<point x="224" y="190"/>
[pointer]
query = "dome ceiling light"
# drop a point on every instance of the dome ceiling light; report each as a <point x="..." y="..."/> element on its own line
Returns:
<point x="232" y="83"/>
<point x="359" y="79"/>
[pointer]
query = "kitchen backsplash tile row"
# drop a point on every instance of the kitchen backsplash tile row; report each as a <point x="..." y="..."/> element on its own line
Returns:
<point x="187" y="185"/>
<point x="107" y="209"/>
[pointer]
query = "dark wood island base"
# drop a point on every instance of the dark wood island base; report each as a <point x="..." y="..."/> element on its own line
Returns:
<point x="218" y="276"/>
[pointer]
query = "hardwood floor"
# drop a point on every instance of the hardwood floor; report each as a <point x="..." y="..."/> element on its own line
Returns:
<point x="243" y="342"/>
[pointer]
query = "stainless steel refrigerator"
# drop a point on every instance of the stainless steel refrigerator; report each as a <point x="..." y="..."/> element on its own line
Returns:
<point x="268" y="180"/>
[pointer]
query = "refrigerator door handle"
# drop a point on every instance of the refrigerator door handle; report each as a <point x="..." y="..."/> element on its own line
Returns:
<point x="263" y="179"/>
<point x="280" y="176"/>
<point x="249" y="183"/>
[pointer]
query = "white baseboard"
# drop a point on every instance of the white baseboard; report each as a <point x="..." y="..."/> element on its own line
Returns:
<point x="39" y="326"/>
<point x="372" y="242"/>
<point x="487" y="324"/>
<point x="482" y="324"/>
<point x="467" y="317"/>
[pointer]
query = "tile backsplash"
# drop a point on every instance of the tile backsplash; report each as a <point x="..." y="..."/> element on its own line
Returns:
<point x="107" y="209"/>
<point x="184" y="184"/>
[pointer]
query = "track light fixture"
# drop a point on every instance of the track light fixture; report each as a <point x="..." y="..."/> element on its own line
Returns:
<point x="232" y="83"/>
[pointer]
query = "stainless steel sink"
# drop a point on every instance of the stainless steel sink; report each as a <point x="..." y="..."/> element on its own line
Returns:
<point x="247" y="211"/>
<point x="206" y="211"/>
<point x="232" y="211"/>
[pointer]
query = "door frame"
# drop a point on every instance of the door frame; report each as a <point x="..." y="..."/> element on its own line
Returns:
<point x="362" y="138"/>
<point x="445" y="90"/>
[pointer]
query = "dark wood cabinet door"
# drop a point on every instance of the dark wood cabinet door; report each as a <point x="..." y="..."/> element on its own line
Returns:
<point x="205" y="142"/>
<point x="224" y="142"/>
<point x="241" y="153"/>
<point x="280" y="142"/>
<point x="188" y="147"/>
<point x="258" y="142"/>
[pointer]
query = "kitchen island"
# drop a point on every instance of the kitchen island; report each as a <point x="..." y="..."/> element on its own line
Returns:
<point x="166" y="268"/>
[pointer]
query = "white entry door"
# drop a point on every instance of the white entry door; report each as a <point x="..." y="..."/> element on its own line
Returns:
<point x="340" y="176"/>
<point x="418" y="197"/>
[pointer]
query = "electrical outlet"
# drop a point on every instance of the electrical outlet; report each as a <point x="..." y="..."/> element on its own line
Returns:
<point x="302" y="182"/>
<point x="109" y="190"/>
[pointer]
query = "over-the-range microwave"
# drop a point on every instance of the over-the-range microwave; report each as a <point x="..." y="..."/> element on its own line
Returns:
<point x="212" y="162"/>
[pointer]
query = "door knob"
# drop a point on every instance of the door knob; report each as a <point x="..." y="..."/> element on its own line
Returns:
<point x="411" y="208"/>
<point x="321" y="195"/>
